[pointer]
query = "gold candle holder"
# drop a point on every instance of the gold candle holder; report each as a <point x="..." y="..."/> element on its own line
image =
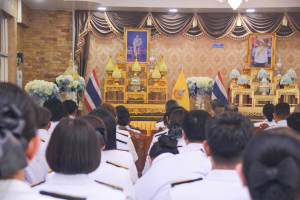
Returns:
<point x="286" y="86"/>
<point x="234" y="80"/>
<point x="156" y="81"/>
<point x="116" y="81"/>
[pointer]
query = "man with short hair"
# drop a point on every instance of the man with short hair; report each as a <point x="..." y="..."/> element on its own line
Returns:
<point x="231" y="108"/>
<point x="219" y="109"/>
<point x="261" y="55"/>
<point x="227" y="134"/>
<point x="214" y="104"/>
<point x="71" y="107"/>
<point x="169" y="104"/>
<point x="293" y="121"/>
<point x="281" y="112"/>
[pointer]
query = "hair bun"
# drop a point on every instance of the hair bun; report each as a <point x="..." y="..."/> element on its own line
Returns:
<point x="175" y="129"/>
<point x="167" y="141"/>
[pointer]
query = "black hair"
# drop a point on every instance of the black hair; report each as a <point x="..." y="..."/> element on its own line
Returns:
<point x="227" y="135"/>
<point x="293" y="121"/>
<point x="231" y="108"/>
<point x="170" y="103"/>
<point x="123" y="116"/>
<point x="110" y="124"/>
<point x="269" y="148"/>
<point x="74" y="147"/>
<point x="44" y="116"/>
<point x="70" y="106"/>
<point x="56" y="108"/>
<point x="175" y="123"/>
<point x="194" y="125"/>
<point x="219" y="109"/>
<point x="111" y="108"/>
<point x="172" y="109"/>
<point x="216" y="103"/>
<point x="268" y="111"/>
<point x="282" y="110"/>
<point x="165" y="118"/>
<point x="165" y="144"/>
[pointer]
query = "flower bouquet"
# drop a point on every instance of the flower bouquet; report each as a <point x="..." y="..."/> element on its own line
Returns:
<point x="68" y="84"/>
<point x="262" y="74"/>
<point x="291" y="73"/>
<point x="234" y="74"/>
<point x="286" y="81"/>
<point x="242" y="81"/>
<point x="42" y="90"/>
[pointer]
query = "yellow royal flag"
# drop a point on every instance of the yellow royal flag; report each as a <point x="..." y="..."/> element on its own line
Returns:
<point x="180" y="92"/>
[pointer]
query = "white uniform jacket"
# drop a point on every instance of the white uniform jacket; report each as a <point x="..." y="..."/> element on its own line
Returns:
<point x="79" y="185"/>
<point x="279" y="124"/>
<point x="52" y="127"/>
<point x="263" y="56"/>
<point x="272" y="123"/>
<point x="124" y="142"/>
<point x="159" y="125"/>
<point x="217" y="185"/>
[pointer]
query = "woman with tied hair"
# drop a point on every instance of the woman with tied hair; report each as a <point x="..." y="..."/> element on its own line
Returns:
<point x="268" y="112"/>
<point x="271" y="165"/>
<point x="72" y="153"/>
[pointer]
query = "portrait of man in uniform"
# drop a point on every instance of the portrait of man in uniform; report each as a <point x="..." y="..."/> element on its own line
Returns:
<point x="260" y="52"/>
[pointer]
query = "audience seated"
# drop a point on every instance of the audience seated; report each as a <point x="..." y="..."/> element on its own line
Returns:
<point x="231" y="107"/>
<point x="297" y="108"/>
<point x="121" y="157"/>
<point x="57" y="110"/>
<point x="271" y="164"/>
<point x="71" y="107"/>
<point x="19" y="142"/>
<point x="226" y="137"/>
<point x="110" y="108"/>
<point x="281" y="112"/>
<point x="168" y="105"/>
<point x="268" y="115"/>
<point x="293" y="121"/>
<point x="219" y="109"/>
<point x="216" y="103"/>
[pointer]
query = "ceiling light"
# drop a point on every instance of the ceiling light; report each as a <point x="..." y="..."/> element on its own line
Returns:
<point x="173" y="10"/>
<point x="101" y="8"/>
<point x="234" y="3"/>
<point x="250" y="10"/>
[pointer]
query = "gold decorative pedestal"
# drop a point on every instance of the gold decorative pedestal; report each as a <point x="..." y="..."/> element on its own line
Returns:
<point x="241" y="93"/>
<point x="286" y="93"/>
<point x="270" y="98"/>
<point x="136" y="95"/>
<point x="156" y="90"/>
<point x="115" y="89"/>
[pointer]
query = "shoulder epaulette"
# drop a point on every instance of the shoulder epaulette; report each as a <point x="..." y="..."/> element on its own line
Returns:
<point x="123" y="134"/>
<point x="117" y="165"/>
<point x="123" y="128"/>
<point x="50" y="170"/>
<point x="61" y="196"/>
<point x="185" y="181"/>
<point x="110" y="185"/>
<point x="179" y="146"/>
<point x="137" y="129"/>
<point x="159" y="121"/>
<point x="202" y="150"/>
<point x="121" y="141"/>
<point x="159" y="134"/>
<point x="35" y="184"/>
<point x="42" y="140"/>
<point x="123" y="150"/>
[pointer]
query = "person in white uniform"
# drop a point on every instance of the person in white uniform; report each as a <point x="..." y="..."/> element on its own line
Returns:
<point x="227" y="134"/>
<point x="73" y="152"/>
<point x="281" y="112"/>
<point x="268" y="115"/>
<point x="271" y="165"/>
<point x="118" y="156"/>
<point x="168" y="105"/>
<point x="261" y="55"/>
<point x="71" y="107"/>
<point x="19" y="142"/>
<point x="57" y="110"/>
<point x="269" y="53"/>
<point x="293" y="121"/>
<point x="253" y="52"/>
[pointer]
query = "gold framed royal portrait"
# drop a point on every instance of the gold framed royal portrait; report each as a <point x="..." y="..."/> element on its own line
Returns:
<point x="261" y="50"/>
<point x="137" y="43"/>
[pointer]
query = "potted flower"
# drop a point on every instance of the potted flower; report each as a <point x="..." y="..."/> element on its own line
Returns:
<point x="242" y="81"/>
<point x="234" y="74"/>
<point x="286" y="81"/>
<point x="262" y="74"/>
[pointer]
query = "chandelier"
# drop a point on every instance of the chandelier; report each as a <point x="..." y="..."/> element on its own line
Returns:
<point x="234" y="3"/>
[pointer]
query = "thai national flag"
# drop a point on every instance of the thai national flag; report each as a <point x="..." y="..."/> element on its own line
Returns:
<point x="219" y="91"/>
<point x="92" y="94"/>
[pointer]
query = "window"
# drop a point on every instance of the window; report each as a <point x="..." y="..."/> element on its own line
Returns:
<point x="3" y="49"/>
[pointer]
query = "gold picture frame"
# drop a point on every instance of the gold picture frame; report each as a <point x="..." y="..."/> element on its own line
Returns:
<point x="261" y="50"/>
<point x="134" y="44"/>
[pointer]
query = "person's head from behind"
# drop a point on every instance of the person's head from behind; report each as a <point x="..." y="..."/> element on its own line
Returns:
<point x="99" y="126"/>
<point x="297" y="108"/>
<point x="71" y="107"/>
<point x="74" y="147"/>
<point x="56" y="108"/>
<point x="214" y="104"/>
<point x="194" y="126"/>
<point x="281" y="111"/>
<point x="231" y="108"/>
<point x="218" y="110"/>
<point x="110" y="124"/>
<point x="18" y="119"/>
<point x="123" y="116"/>
<point x="271" y="165"/>
<point x="165" y="119"/>
<point x="226" y="137"/>
<point x="44" y="116"/>
<point x="268" y="112"/>
<point x="171" y="103"/>
<point x="165" y="144"/>
<point x="293" y="121"/>
<point x="175" y="123"/>
<point x="172" y="109"/>
<point x="111" y="108"/>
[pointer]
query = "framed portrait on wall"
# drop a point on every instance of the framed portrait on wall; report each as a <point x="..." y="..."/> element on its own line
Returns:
<point x="137" y="43"/>
<point x="261" y="50"/>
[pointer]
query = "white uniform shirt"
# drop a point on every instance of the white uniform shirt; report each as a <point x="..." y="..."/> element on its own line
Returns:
<point x="79" y="185"/>
<point x="262" y="57"/>
<point x="193" y="147"/>
<point x="52" y="127"/>
<point x="167" y="168"/>
<point x="159" y="125"/>
<point x="253" y="51"/>
<point x="34" y="172"/>
<point x="124" y="142"/>
<point x="269" y="51"/>
<point x="266" y="121"/>
<point x="44" y="135"/>
<point x="279" y="124"/>
<point x="12" y="189"/>
<point x="123" y="158"/>
<point x="217" y="185"/>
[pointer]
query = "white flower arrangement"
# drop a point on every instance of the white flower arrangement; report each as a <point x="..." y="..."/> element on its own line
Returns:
<point x="242" y="80"/>
<point x="42" y="90"/>
<point x="291" y="73"/>
<point x="235" y="74"/>
<point x="67" y="83"/>
<point x="199" y="85"/>
<point x="262" y="74"/>
<point x="286" y="80"/>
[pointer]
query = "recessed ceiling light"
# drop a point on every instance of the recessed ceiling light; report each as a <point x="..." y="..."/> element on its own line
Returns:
<point x="173" y="10"/>
<point x="101" y="8"/>
<point x="250" y="10"/>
